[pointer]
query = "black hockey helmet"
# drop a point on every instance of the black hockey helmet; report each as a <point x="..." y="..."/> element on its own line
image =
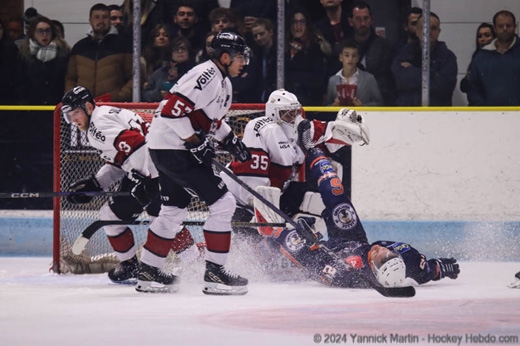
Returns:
<point x="74" y="98"/>
<point x="231" y="43"/>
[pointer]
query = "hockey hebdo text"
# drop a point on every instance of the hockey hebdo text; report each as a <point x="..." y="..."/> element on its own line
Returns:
<point x="429" y="339"/>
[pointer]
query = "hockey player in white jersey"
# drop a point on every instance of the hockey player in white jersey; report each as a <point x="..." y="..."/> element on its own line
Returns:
<point x="119" y="135"/>
<point x="181" y="146"/>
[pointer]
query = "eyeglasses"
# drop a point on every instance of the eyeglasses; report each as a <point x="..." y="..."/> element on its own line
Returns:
<point x="299" y="22"/>
<point x="47" y="31"/>
<point x="180" y="49"/>
<point x="117" y="17"/>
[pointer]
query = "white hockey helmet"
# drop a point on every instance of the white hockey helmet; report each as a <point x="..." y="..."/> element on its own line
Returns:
<point x="283" y="106"/>
<point x="391" y="270"/>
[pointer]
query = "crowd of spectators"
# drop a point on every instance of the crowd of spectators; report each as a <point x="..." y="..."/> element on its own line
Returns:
<point x="314" y="53"/>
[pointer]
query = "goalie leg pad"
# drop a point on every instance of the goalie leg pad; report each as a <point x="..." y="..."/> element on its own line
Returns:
<point x="312" y="203"/>
<point x="265" y="214"/>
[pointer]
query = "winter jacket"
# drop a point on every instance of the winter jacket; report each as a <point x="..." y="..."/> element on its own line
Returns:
<point x="494" y="78"/>
<point x="103" y="67"/>
<point x="443" y="75"/>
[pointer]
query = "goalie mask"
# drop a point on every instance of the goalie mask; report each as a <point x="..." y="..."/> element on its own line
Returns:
<point x="74" y="98"/>
<point x="283" y="107"/>
<point x="387" y="266"/>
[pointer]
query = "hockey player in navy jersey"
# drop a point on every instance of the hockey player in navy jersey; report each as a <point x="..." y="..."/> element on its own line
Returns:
<point x="388" y="263"/>
<point x="120" y="137"/>
<point x="181" y="146"/>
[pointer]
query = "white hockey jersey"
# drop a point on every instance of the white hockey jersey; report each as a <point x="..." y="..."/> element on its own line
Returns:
<point x="119" y="135"/>
<point x="199" y="103"/>
<point x="275" y="157"/>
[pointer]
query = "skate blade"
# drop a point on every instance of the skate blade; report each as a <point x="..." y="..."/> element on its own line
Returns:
<point x="155" y="287"/>
<point x="130" y="282"/>
<point x="213" y="288"/>
<point x="515" y="284"/>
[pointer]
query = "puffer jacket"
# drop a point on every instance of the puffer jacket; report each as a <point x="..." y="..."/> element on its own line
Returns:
<point x="103" y="67"/>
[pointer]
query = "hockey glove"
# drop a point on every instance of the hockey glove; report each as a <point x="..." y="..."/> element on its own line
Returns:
<point x="235" y="146"/>
<point x="145" y="189"/>
<point x="84" y="185"/>
<point x="306" y="134"/>
<point x="447" y="267"/>
<point x="202" y="152"/>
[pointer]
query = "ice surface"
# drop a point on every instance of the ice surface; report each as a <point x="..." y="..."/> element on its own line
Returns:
<point x="42" y="308"/>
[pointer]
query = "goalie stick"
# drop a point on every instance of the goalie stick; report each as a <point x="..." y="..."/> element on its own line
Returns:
<point x="81" y="242"/>
<point x="308" y="236"/>
<point x="61" y="194"/>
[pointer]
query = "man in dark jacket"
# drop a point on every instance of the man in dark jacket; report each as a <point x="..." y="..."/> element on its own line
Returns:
<point x="102" y="62"/>
<point x="375" y="52"/>
<point x="407" y="69"/>
<point x="494" y="77"/>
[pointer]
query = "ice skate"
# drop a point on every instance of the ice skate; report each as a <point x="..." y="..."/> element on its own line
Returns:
<point x="125" y="273"/>
<point x="219" y="281"/>
<point x="154" y="280"/>
<point x="516" y="283"/>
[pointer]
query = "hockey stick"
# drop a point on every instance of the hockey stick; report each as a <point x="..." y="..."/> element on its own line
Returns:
<point x="90" y="230"/>
<point x="311" y="240"/>
<point x="61" y="194"/>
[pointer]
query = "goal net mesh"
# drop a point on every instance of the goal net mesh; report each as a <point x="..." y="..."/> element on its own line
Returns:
<point x="75" y="159"/>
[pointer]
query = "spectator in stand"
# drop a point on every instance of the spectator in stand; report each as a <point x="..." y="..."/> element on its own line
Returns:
<point x="334" y="27"/>
<point x="485" y="34"/>
<point x="356" y="87"/>
<point x="102" y="62"/>
<point x="60" y="31"/>
<point x="8" y="67"/>
<point x="251" y="10"/>
<point x="221" y="18"/>
<point x="375" y="52"/>
<point x="264" y="49"/>
<point x="43" y="64"/>
<point x="409" y="32"/>
<point x="156" y="51"/>
<point x="29" y="16"/>
<point x="14" y="29"/>
<point x="305" y="63"/>
<point x="117" y="18"/>
<point x="163" y="79"/>
<point x="186" y="24"/>
<point x="408" y="71"/>
<point x="202" y="9"/>
<point x="203" y="54"/>
<point x="494" y="73"/>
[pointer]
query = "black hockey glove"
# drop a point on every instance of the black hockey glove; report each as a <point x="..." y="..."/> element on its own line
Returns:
<point x="203" y="152"/>
<point x="84" y="185"/>
<point x="235" y="146"/>
<point x="145" y="189"/>
<point x="305" y="134"/>
<point x="447" y="267"/>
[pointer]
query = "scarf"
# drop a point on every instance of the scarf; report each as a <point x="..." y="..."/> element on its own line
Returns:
<point x="41" y="53"/>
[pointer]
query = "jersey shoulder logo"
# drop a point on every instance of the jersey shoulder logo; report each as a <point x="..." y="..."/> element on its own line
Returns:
<point x="205" y="77"/>
<point x="260" y="124"/>
<point x="95" y="133"/>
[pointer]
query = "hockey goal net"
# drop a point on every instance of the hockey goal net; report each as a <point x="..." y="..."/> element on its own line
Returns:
<point x="75" y="159"/>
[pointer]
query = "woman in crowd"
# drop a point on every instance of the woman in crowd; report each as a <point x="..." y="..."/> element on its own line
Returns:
<point x="305" y="63"/>
<point x="43" y="64"/>
<point x="156" y="50"/>
<point x="163" y="79"/>
<point x="485" y="34"/>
